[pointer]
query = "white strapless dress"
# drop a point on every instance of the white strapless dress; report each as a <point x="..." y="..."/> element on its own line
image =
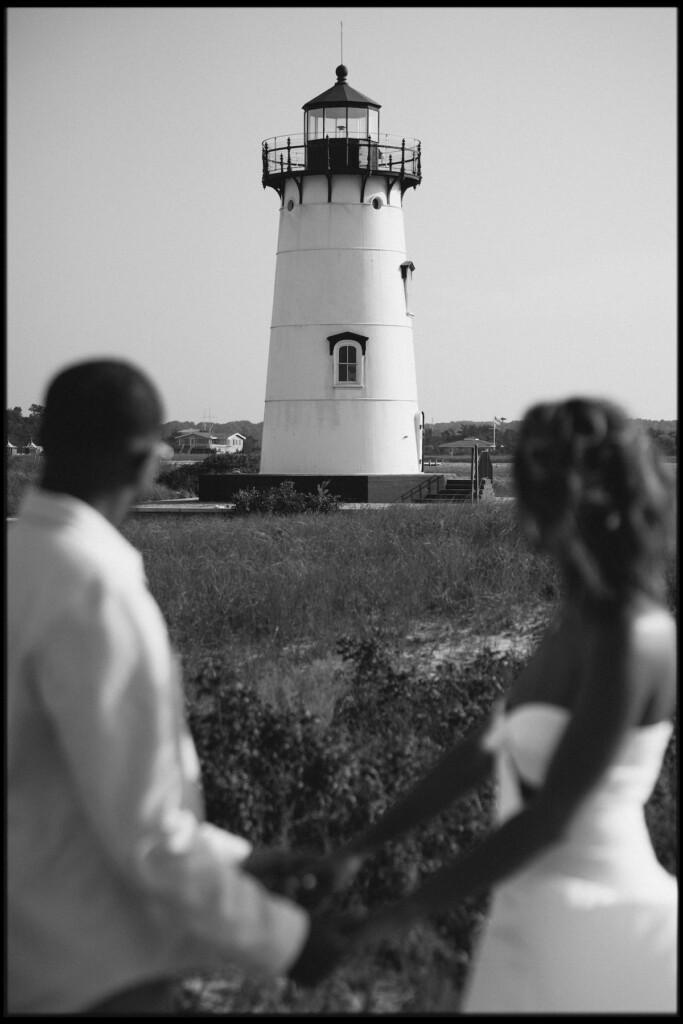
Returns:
<point x="590" y="926"/>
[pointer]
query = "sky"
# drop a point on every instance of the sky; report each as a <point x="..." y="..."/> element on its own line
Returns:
<point x="543" y="233"/>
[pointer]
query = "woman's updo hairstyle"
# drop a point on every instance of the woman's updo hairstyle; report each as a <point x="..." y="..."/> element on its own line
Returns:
<point x="588" y="477"/>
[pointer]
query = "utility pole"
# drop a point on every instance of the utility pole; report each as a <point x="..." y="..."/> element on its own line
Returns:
<point x="497" y="421"/>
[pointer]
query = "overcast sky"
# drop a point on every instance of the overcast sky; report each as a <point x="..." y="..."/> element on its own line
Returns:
<point x="544" y="233"/>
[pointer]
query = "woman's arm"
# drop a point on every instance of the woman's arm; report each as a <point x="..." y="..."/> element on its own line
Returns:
<point x="614" y="687"/>
<point x="310" y="878"/>
<point x="460" y="769"/>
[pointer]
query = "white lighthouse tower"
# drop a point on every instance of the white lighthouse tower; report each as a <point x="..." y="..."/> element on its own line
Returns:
<point x="341" y="392"/>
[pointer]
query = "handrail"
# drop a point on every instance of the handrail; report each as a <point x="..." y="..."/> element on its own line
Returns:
<point x="390" y="154"/>
<point x="419" y="488"/>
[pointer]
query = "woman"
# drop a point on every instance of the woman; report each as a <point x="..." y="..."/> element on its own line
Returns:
<point x="583" y="917"/>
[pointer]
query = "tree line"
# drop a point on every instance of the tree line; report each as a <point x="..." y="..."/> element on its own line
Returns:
<point x="664" y="433"/>
<point x="21" y="429"/>
<point x="436" y="435"/>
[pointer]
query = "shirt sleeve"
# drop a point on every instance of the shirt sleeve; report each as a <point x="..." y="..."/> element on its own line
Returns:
<point x="108" y="679"/>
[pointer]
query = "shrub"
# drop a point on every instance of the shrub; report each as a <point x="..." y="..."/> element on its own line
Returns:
<point x="283" y="778"/>
<point x="185" y="478"/>
<point x="285" y="500"/>
<point x="162" y="492"/>
<point x="231" y="462"/>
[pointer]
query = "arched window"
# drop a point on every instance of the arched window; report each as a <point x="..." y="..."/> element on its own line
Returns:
<point x="347" y="364"/>
<point x="348" y="354"/>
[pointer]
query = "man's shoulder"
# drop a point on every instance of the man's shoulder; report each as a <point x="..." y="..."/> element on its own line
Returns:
<point x="66" y="561"/>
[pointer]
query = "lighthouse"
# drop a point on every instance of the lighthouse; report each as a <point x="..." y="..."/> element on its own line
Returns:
<point x="341" y="392"/>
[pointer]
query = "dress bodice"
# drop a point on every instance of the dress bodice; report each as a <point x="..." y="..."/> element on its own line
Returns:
<point x="529" y="733"/>
<point x="608" y="828"/>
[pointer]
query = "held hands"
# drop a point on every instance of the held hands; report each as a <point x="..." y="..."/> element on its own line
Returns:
<point x="307" y="878"/>
<point x="310" y="879"/>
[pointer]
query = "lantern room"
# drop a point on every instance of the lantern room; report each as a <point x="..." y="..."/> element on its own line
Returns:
<point x="341" y="136"/>
<point x="341" y="128"/>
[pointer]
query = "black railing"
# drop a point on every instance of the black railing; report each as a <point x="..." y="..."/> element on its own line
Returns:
<point x="424" y="486"/>
<point x="287" y="155"/>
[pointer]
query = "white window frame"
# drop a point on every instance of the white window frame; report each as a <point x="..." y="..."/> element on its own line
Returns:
<point x="360" y="364"/>
<point x="359" y="342"/>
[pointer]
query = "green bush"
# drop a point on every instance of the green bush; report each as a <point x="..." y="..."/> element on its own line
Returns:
<point x="285" y="500"/>
<point x="231" y="462"/>
<point x="283" y="778"/>
<point x="185" y="477"/>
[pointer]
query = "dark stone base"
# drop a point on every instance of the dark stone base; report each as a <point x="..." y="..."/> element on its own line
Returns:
<point x="354" y="489"/>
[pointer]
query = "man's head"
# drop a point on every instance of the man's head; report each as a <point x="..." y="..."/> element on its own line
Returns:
<point x="100" y="429"/>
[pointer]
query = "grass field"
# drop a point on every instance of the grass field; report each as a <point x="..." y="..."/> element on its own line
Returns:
<point x="282" y="590"/>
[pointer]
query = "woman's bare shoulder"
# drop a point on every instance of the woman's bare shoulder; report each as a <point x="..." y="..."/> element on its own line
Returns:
<point x="653" y="649"/>
<point x="653" y="625"/>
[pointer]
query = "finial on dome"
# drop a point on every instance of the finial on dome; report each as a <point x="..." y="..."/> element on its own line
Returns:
<point x="342" y="72"/>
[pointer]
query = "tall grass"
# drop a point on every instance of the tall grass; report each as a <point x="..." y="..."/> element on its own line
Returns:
<point x="283" y="580"/>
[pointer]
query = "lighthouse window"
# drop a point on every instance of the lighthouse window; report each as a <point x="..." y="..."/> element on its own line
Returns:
<point x="335" y="122"/>
<point x="315" y="124"/>
<point x="358" y="124"/>
<point x="348" y="365"/>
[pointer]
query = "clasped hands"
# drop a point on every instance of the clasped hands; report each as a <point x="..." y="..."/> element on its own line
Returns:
<point x="310" y="880"/>
<point x="307" y="878"/>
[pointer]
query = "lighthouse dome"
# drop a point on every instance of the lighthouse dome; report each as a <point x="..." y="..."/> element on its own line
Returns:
<point x="341" y="94"/>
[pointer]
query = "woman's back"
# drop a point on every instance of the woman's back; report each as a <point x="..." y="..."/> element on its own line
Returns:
<point x="572" y="655"/>
<point x="590" y="924"/>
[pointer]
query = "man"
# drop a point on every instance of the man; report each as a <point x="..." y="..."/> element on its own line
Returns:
<point x="116" y="882"/>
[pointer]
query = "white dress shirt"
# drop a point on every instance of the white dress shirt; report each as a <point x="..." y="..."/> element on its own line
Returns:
<point x="114" y="875"/>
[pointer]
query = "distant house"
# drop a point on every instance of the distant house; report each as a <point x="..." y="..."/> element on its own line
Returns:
<point x="203" y="442"/>
<point x="33" y="449"/>
<point x="235" y="443"/>
<point x="194" y="442"/>
<point x="11" y="448"/>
